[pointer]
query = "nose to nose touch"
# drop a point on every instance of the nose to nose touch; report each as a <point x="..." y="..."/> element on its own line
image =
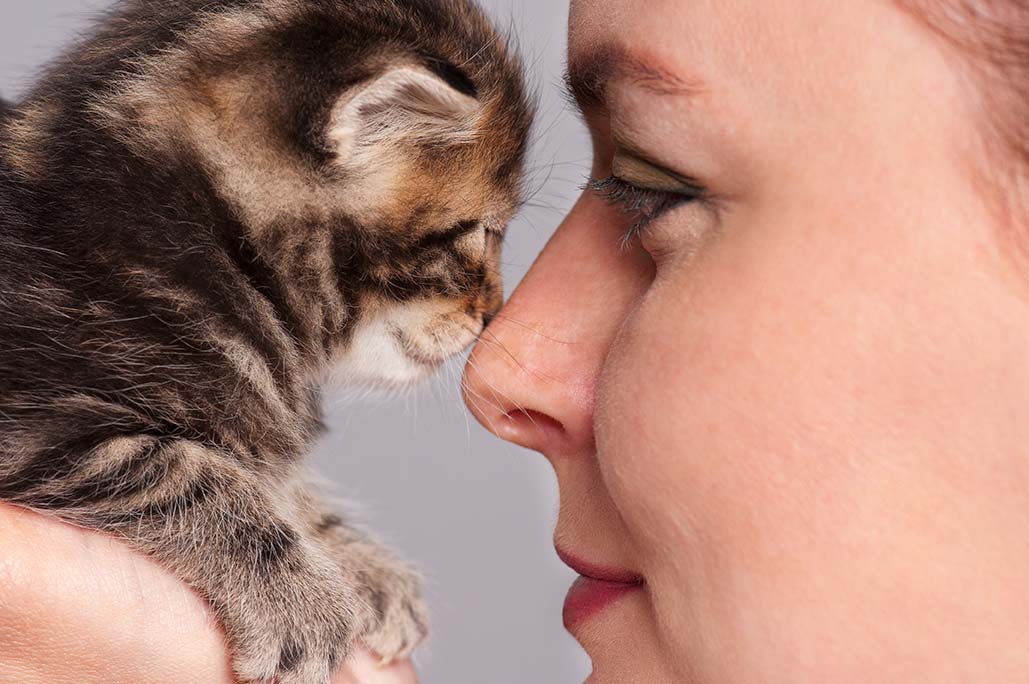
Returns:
<point x="487" y="318"/>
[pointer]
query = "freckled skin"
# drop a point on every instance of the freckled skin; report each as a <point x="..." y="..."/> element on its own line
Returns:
<point x="185" y="255"/>
<point x="798" y="408"/>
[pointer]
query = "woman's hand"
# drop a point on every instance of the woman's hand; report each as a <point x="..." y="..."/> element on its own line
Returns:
<point x="364" y="669"/>
<point x="77" y="607"/>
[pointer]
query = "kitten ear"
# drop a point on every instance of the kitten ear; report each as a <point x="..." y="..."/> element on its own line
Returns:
<point x="396" y="109"/>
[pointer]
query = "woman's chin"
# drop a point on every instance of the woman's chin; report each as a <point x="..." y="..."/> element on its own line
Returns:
<point x="621" y="641"/>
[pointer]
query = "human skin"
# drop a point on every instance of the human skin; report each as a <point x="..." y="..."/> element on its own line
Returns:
<point x="797" y="408"/>
<point x="77" y="607"/>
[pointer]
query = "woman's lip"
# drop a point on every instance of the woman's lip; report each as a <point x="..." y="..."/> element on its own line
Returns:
<point x="589" y="596"/>
<point x="597" y="588"/>
<point x="597" y="572"/>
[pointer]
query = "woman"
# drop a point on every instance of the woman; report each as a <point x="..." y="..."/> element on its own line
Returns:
<point x="776" y="355"/>
<point x="777" y="352"/>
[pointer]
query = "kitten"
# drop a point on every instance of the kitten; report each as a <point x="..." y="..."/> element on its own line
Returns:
<point x="204" y="208"/>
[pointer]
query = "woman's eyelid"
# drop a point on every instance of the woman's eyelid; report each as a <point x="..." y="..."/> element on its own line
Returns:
<point x="637" y="169"/>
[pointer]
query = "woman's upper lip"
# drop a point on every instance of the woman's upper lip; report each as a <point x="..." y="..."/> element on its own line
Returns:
<point x="598" y="572"/>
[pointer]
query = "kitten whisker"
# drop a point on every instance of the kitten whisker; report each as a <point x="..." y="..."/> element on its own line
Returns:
<point x="477" y="400"/>
<point x="533" y="330"/>
<point x="495" y="343"/>
<point x="497" y="404"/>
<point x="517" y="408"/>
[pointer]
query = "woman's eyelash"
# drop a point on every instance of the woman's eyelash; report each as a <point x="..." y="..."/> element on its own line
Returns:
<point x="642" y="204"/>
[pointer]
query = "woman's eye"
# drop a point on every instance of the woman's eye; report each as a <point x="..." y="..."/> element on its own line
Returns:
<point x="642" y="205"/>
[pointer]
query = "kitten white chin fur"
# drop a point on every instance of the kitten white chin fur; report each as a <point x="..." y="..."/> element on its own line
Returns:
<point x="403" y="345"/>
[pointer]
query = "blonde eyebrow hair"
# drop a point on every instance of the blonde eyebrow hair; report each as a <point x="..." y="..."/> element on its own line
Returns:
<point x="589" y="75"/>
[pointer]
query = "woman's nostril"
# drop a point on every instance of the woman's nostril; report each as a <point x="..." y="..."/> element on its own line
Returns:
<point x="532" y="428"/>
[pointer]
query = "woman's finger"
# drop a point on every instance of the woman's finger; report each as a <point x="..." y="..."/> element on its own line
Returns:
<point x="364" y="668"/>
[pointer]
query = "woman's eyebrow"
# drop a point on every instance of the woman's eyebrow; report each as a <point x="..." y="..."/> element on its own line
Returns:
<point x="589" y="75"/>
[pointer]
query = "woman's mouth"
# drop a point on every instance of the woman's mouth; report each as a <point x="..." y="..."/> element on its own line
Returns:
<point x="595" y="589"/>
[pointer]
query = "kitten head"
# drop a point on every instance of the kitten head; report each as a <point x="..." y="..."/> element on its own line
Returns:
<point x="372" y="152"/>
<point x="428" y="157"/>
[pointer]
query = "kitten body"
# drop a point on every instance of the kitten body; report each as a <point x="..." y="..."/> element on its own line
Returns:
<point x="205" y="208"/>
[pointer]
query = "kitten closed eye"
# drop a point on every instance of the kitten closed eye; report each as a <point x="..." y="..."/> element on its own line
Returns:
<point x="207" y="209"/>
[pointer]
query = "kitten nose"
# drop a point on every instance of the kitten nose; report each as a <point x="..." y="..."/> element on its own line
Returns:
<point x="487" y="318"/>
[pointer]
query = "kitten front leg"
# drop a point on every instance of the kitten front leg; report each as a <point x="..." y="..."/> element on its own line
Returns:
<point x="288" y="611"/>
<point x="397" y="618"/>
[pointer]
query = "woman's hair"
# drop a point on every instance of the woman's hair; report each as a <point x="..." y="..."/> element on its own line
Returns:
<point x="994" y="36"/>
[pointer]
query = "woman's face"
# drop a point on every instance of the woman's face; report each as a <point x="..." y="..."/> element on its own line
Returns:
<point x="794" y="403"/>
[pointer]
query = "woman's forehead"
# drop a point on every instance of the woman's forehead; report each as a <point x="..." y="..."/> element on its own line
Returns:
<point x="710" y="29"/>
<point x="674" y="40"/>
<point x="740" y="50"/>
<point x="624" y="39"/>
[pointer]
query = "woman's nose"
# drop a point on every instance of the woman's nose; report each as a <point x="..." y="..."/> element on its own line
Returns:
<point x="524" y="382"/>
<point x="531" y="378"/>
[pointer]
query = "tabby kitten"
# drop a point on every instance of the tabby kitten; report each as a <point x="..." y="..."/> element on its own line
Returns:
<point x="205" y="208"/>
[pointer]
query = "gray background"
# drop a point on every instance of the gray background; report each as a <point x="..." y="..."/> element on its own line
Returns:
<point x="474" y="513"/>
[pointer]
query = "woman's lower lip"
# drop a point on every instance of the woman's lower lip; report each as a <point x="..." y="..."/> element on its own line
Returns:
<point x="589" y="596"/>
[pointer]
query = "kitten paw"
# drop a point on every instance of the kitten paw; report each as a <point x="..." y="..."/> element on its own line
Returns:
<point x="291" y="661"/>
<point x="301" y="637"/>
<point x="397" y="621"/>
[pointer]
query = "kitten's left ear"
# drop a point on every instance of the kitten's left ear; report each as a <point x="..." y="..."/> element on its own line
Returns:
<point x="402" y="107"/>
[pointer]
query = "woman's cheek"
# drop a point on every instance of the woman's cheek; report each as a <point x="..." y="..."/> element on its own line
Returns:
<point x="646" y="467"/>
<point x="645" y="443"/>
<point x="702" y="454"/>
